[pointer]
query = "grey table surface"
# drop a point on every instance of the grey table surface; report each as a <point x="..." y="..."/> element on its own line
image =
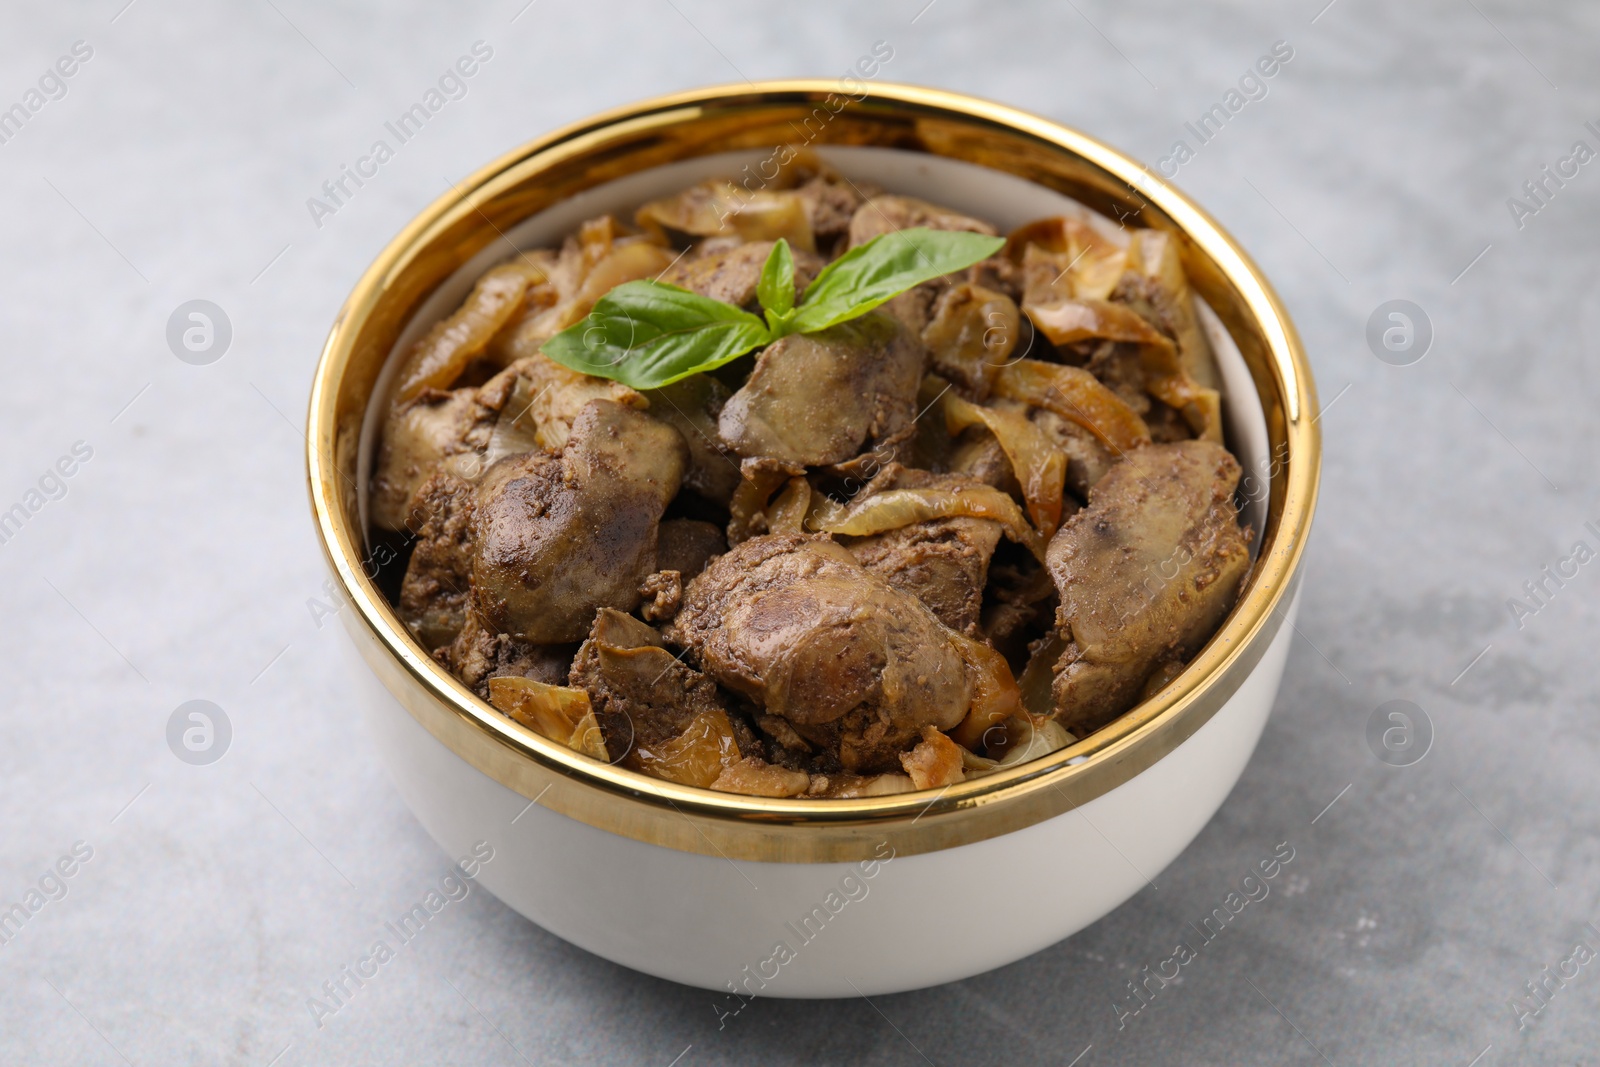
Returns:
<point x="178" y="561"/>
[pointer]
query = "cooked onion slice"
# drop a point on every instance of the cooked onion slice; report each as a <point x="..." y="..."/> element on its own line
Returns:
<point x="558" y="712"/>
<point x="976" y="766"/>
<point x="1076" y="395"/>
<point x="719" y="207"/>
<point x="895" y="508"/>
<point x="995" y="696"/>
<point x="935" y="762"/>
<point x="1040" y="467"/>
<point x="436" y="361"/>
<point x="601" y="261"/>
<point x="755" y="778"/>
<point x="971" y="335"/>
<point x="627" y="261"/>
<point x="1067" y="257"/>
<point x="1069" y="321"/>
<point x="849" y="786"/>
<point x="1066" y="322"/>
<point x="1169" y="383"/>
<point x="1034" y="736"/>
<point x="1039" y="674"/>
<point x="698" y="756"/>
<point x="787" y="512"/>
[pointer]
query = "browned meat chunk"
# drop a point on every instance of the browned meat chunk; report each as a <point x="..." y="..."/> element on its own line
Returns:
<point x="683" y="550"/>
<point x="436" y="592"/>
<point x="942" y="562"/>
<point x="478" y="655"/>
<point x="831" y="202"/>
<point x="691" y="407"/>
<point x="815" y="399"/>
<point x="417" y="436"/>
<point x="855" y="666"/>
<point x="534" y="401"/>
<point x="687" y="545"/>
<point x="662" y="595"/>
<point x="731" y="274"/>
<point x="557" y="539"/>
<point x="1146" y="574"/>
<point x="1019" y="605"/>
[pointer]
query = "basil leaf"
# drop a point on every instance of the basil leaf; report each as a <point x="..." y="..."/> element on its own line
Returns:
<point x="646" y="334"/>
<point x="883" y="268"/>
<point x="775" y="290"/>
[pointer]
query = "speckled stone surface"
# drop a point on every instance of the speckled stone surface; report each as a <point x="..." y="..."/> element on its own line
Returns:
<point x="179" y="562"/>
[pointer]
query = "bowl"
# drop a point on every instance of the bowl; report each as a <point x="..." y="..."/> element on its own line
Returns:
<point x="793" y="897"/>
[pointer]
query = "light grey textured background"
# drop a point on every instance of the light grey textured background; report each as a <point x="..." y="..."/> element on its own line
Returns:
<point x="181" y="560"/>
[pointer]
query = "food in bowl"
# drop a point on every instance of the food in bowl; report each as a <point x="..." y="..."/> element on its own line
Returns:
<point x="821" y="491"/>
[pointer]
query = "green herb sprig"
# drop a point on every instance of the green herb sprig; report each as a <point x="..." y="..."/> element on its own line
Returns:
<point x="648" y="334"/>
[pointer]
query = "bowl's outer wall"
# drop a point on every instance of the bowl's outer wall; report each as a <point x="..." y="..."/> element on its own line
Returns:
<point x="463" y="222"/>
<point x="916" y="921"/>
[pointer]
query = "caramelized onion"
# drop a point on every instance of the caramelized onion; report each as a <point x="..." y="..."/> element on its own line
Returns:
<point x="599" y="262"/>
<point x="624" y="263"/>
<point x="1067" y="321"/>
<point x="976" y="766"/>
<point x="1065" y="257"/>
<point x="719" y="207"/>
<point x="1034" y="736"/>
<point x="895" y="508"/>
<point x="787" y="513"/>
<point x="1169" y="383"/>
<point x="438" y="359"/>
<point x="756" y="778"/>
<point x="1076" y="395"/>
<point x="1039" y="466"/>
<point x="698" y="756"/>
<point x="846" y="786"/>
<point x="558" y="712"/>
<point x="971" y="335"/>
<point x="1162" y="293"/>
<point x="1039" y="674"/>
<point x="935" y="762"/>
<point x="995" y="696"/>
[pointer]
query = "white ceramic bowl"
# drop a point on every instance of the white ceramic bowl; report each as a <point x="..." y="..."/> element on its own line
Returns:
<point x="797" y="898"/>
